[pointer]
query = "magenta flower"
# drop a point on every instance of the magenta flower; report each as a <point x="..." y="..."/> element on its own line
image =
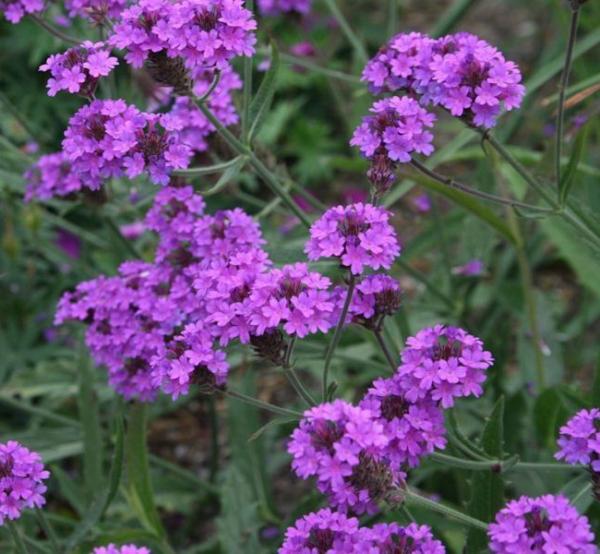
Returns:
<point x="52" y="175"/>
<point x="391" y="538"/>
<point x="15" y="10"/>
<point x="108" y="138"/>
<point x="359" y="235"/>
<point x="96" y="10"/>
<point x="473" y="268"/>
<point x="444" y="363"/>
<point x="125" y="549"/>
<point x="413" y="428"/>
<point x="344" y="447"/>
<point x="396" y="130"/>
<point x="375" y="297"/>
<point x="276" y="7"/>
<point x="579" y="440"/>
<point x="21" y="480"/>
<point x="79" y="69"/>
<point x="543" y="525"/>
<point x="325" y="532"/>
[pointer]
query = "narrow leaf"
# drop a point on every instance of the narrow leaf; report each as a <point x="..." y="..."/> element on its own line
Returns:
<point x="264" y="96"/>
<point x="228" y="175"/>
<point x="596" y="386"/>
<point x="568" y="177"/>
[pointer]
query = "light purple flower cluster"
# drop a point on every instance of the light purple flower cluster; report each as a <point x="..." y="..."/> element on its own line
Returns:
<point x="21" y="480"/>
<point x="344" y="447"/>
<point x="327" y="532"/>
<point x="275" y="7"/>
<point x="52" y="175"/>
<point x="125" y="549"/>
<point x="543" y="525"/>
<point x="109" y="138"/>
<point x="375" y="297"/>
<point x="413" y="428"/>
<point x="359" y="235"/>
<point x="460" y="72"/>
<point x="190" y="123"/>
<point x="15" y="10"/>
<point x="397" y="129"/>
<point x="473" y="268"/>
<point x="97" y="11"/>
<point x="579" y="443"/>
<point x="444" y="363"/>
<point x="203" y="33"/>
<point x="79" y="69"/>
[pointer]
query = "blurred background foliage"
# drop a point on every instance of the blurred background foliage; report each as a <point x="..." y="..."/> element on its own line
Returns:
<point x="222" y="479"/>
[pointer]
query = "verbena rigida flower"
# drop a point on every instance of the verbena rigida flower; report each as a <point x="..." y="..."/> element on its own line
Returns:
<point x="359" y="235"/>
<point x="325" y="532"/>
<point x="414" y="428"/>
<point x="15" y="10"/>
<point x="444" y="363"/>
<point x="79" y="69"/>
<point x="97" y="11"/>
<point x="52" y="175"/>
<point x="579" y="443"/>
<point x="375" y="297"/>
<point x="396" y="130"/>
<point x="22" y="476"/>
<point x="391" y="538"/>
<point x="125" y="549"/>
<point x="275" y="7"/>
<point x="109" y="138"/>
<point x="543" y="525"/>
<point x="344" y="447"/>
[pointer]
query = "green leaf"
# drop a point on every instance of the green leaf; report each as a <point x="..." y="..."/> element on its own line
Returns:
<point x="228" y="175"/>
<point x="568" y="177"/>
<point x="101" y="503"/>
<point x="139" y="486"/>
<point x="596" y="386"/>
<point x="578" y="491"/>
<point x="206" y="169"/>
<point x="89" y="414"/>
<point x="264" y="96"/>
<point x="470" y="204"/>
<point x="238" y="524"/>
<point x="487" y="487"/>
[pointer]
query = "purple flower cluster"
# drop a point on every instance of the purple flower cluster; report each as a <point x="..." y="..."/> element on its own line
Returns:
<point x="190" y="123"/>
<point x="375" y="297"/>
<point x="444" y="363"/>
<point x="397" y="129"/>
<point x="125" y="549"/>
<point x="109" y="138"/>
<point x="79" y="69"/>
<point x="15" y="10"/>
<point x="344" y="447"/>
<point x="52" y="175"/>
<point x="327" y="532"/>
<point x="579" y="440"/>
<point x="413" y="428"/>
<point x="543" y="525"/>
<point x="460" y="72"/>
<point x="359" y="235"/>
<point x="276" y="7"/>
<point x="21" y="480"/>
<point x="96" y="10"/>
<point x="203" y="33"/>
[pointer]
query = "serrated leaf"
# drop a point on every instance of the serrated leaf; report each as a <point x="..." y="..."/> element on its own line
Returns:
<point x="487" y="487"/>
<point x="568" y="177"/>
<point x="264" y="96"/>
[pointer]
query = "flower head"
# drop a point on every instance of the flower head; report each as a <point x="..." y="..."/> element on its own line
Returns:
<point x="52" y="175"/>
<point x="21" y="480"/>
<point x="125" y="549"/>
<point x="579" y="440"/>
<point x="325" y="532"/>
<point x="375" y="297"/>
<point x="275" y="7"/>
<point x="97" y="11"/>
<point x="543" y="525"/>
<point x="391" y="538"/>
<point x="444" y="363"/>
<point x="359" y="235"/>
<point x="15" y="10"/>
<point x="79" y="69"/>
<point x="344" y="447"/>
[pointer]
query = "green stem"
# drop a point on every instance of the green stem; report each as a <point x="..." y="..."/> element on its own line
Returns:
<point x="385" y="350"/>
<point x="269" y="178"/>
<point x="451" y="17"/>
<point x="114" y="229"/>
<point x="499" y="465"/>
<point x="48" y="530"/>
<point x="294" y="380"/>
<point x="214" y="438"/>
<point x="53" y="30"/>
<point x="418" y="500"/>
<point x="263" y="405"/>
<point x="358" y="46"/>
<point x="431" y="287"/>
<point x="184" y="474"/>
<point x="392" y="21"/>
<point x="16" y="537"/>
<point x="206" y="170"/>
<point x="325" y="71"/>
<point x="562" y="89"/>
